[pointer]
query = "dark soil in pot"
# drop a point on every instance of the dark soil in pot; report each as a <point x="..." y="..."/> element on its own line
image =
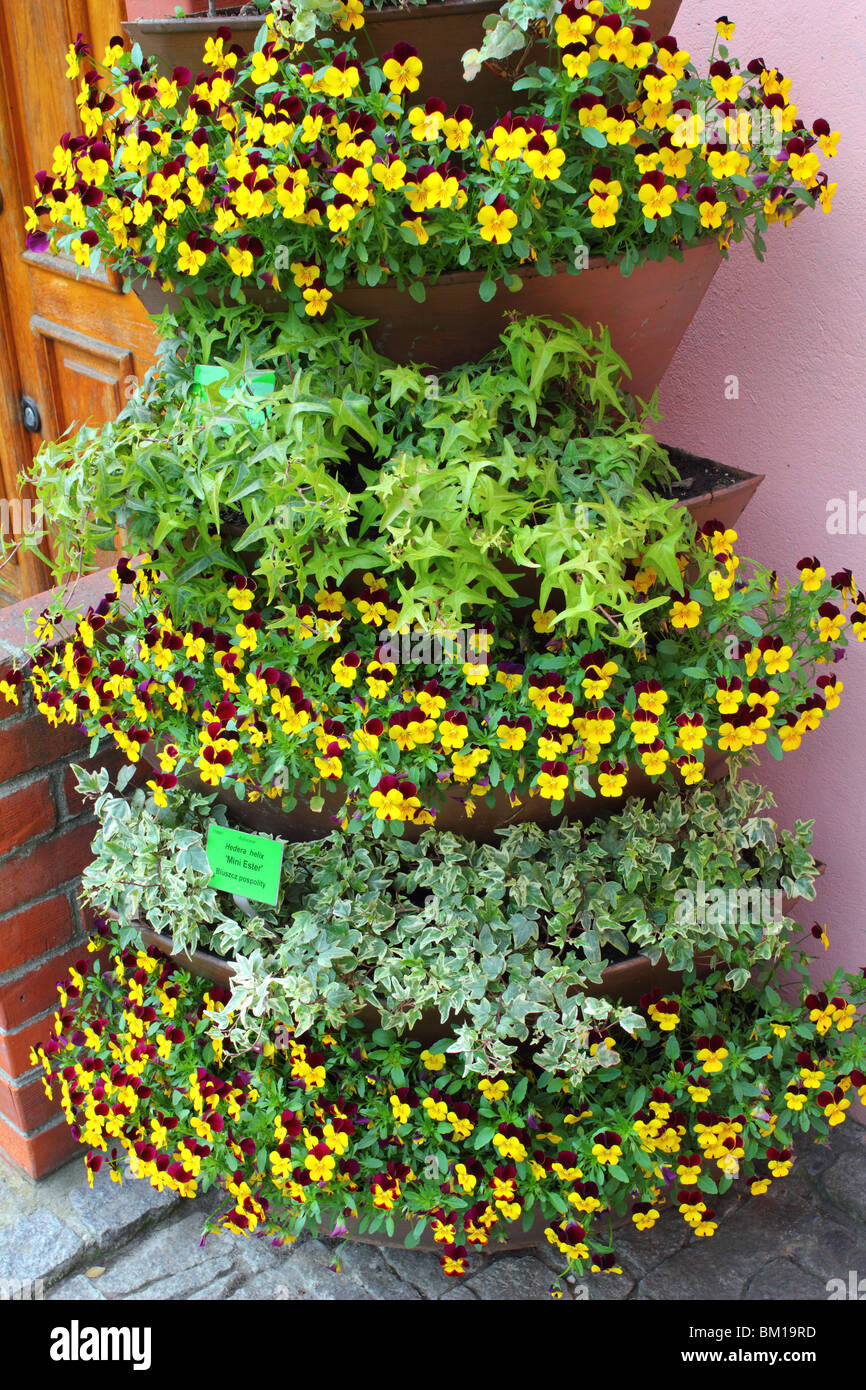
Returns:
<point x="697" y="476"/>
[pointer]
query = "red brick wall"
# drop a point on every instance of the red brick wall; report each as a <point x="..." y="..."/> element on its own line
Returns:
<point x="45" y="836"/>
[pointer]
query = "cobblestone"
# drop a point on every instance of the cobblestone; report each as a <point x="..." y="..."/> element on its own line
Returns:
<point x="168" y="1263"/>
<point x="112" y="1212"/>
<point x="845" y="1184"/>
<point x="781" y="1281"/>
<point x="79" y="1288"/>
<point x="421" y="1270"/>
<point x="37" y="1246"/>
<point x="604" y="1288"/>
<point x="828" y="1247"/>
<point x="367" y="1266"/>
<point x="511" y="1277"/>
<point x="784" y="1246"/>
<point x="640" y="1251"/>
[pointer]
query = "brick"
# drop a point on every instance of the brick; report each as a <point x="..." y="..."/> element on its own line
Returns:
<point x="34" y="931"/>
<point x="15" y="1046"/>
<point x="24" y="814"/>
<point x="35" y="743"/>
<point x="34" y="993"/>
<point x="39" y="1154"/>
<point x="32" y="873"/>
<point x="28" y="1107"/>
<point x="9" y="712"/>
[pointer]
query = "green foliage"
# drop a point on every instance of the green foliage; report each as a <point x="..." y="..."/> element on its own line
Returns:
<point x="500" y="941"/>
<point x="343" y="1129"/>
<point x="299" y="20"/>
<point x="160" y="869"/>
<point x="531" y="462"/>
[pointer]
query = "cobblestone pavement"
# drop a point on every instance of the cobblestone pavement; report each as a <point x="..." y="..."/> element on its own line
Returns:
<point x="129" y="1242"/>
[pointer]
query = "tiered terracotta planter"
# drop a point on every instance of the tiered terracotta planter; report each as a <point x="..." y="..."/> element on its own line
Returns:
<point x="647" y="315"/>
<point x="441" y="31"/>
<point x="647" y="312"/>
<point x="626" y="982"/>
<point x="303" y="823"/>
<point x="724" y="502"/>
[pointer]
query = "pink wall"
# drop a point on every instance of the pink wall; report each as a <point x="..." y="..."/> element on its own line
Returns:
<point x="793" y="330"/>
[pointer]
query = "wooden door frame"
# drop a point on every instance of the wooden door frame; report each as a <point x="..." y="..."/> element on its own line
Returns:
<point x="48" y="334"/>
<point x="18" y="443"/>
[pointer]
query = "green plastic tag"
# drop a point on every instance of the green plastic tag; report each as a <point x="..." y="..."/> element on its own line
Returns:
<point x="262" y="384"/>
<point x="249" y="865"/>
<point x="208" y="376"/>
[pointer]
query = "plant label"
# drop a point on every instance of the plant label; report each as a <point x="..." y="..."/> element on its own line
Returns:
<point x="262" y="384"/>
<point x="249" y="865"/>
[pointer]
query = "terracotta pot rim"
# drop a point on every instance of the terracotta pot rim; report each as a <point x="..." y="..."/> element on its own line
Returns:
<point x="558" y="268"/>
<point x="744" y="481"/>
<point x="624" y="980"/>
<point x="620" y="973"/>
<point x="451" y="277"/>
<point x="173" y="24"/>
<point x="222" y="969"/>
<point x="518" y="1239"/>
<point x="396" y="14"/>
<point x="476" y="829"/>
<point x="192" y="23"/>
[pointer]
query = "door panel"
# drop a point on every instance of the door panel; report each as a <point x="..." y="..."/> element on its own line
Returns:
<point x="70" y="340"/>
<point x="90" y="379"/>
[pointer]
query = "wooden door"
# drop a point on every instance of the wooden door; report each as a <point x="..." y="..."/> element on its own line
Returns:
<point x="71" y="342"/>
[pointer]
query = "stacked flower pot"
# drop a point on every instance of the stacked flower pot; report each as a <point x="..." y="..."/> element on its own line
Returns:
<point x="531" y="810"/>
